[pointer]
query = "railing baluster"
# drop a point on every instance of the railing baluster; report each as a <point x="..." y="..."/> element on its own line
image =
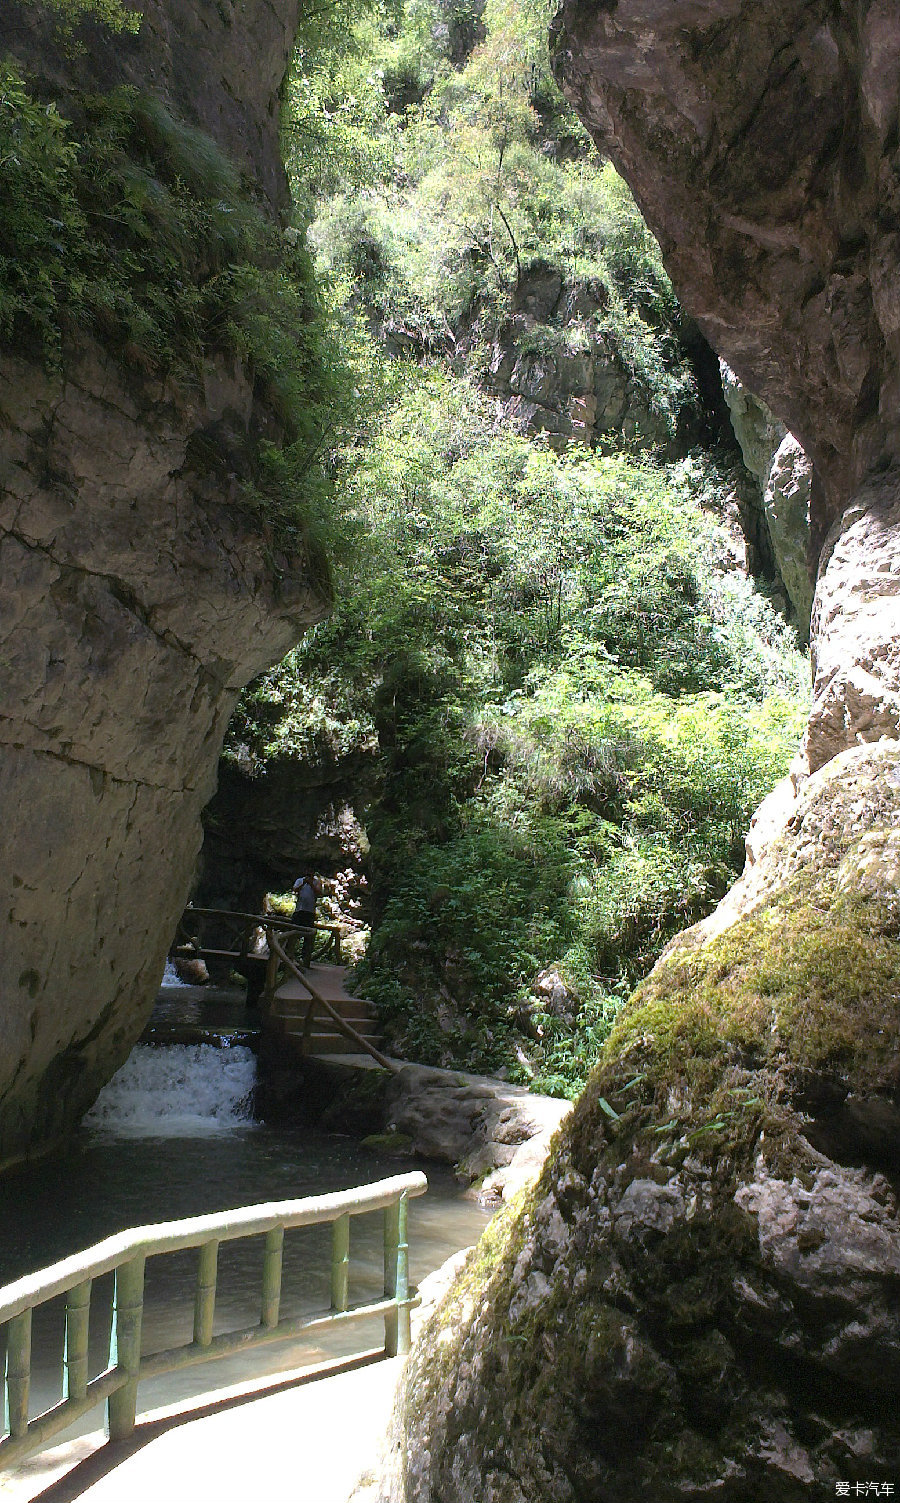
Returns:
<point x="271" y="1280"/>
<point x="126" y="1254"/>
<point x="125" y="1346"/>
<point x="18" y="1373"/>
<point x="75" y="1354"/>
<point x="340" y="1263"/>
<point x="205" y="1297"/>
<point x="396" y="1278"/>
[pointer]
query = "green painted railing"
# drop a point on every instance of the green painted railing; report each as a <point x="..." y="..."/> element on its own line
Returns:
<point x="126" y="1254"/>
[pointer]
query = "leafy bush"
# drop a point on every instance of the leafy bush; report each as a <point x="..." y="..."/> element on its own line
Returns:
<point x="573" y="711"/>
<point x="123" y="221"/>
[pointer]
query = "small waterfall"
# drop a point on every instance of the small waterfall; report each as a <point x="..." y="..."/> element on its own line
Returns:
<point x="171" y="977"/>
<point x="184" y="1090"/>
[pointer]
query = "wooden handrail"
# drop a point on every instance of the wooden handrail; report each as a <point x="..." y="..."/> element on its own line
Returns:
<point x="126" y="1254"/>
<point x="249" y="922"/>
<point x="344" y="1027"/>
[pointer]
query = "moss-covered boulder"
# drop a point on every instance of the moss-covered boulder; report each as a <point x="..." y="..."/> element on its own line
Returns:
<point x="700" y="1297"/>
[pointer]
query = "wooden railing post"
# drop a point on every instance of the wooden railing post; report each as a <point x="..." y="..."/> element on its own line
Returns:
<point x="271" y="1282"/>
<point x="75" y="1352"/>
<point x="396" y="1279"/>
<point x="340" y="1263"/>
<point x="271" y="986"/>
<point x="125" y="1346"/>
<point x="205" y="1296"/>
<point x="18" y="1373"/>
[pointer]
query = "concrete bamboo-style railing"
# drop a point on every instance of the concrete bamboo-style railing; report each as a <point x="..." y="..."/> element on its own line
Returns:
<point x="126" y="1254"/>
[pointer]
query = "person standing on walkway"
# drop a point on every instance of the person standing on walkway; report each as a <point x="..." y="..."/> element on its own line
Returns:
<point x="307" y="891"/>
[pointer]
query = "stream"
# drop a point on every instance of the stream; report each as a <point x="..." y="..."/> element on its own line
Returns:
<point x="173" y="1136"/>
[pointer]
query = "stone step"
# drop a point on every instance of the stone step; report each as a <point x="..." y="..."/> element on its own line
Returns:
<point x="294" y="1026"/>
<point x="330" y="1043"/>
<point x="348" y="1011"/>
<point x="362" y="1023"/>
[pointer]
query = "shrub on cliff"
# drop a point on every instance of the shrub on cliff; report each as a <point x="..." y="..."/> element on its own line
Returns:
<point x="441" y="173"/>
<point x="119" y="221"/>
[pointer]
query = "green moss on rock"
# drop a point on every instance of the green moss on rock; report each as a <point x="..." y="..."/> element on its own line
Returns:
<point x="694" y="1301"/>
<point x="718" y="1041"/>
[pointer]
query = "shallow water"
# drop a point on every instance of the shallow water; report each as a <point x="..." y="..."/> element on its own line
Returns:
<point x="132" y="1169"/>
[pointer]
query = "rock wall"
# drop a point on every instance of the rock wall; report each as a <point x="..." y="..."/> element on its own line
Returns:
<point x="218" y="64"/>
<point x="759" y="140"/>
<point x="138" y="598"/>
<point x="784" y="477"/>
<point x="557" y="371"/>
<point x="700" y="1297"/>
<point x="264" y="829"/>
<point x="856" y="625"/>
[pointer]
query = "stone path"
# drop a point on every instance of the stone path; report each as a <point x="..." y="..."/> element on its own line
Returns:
<point x="306" y="1438"/>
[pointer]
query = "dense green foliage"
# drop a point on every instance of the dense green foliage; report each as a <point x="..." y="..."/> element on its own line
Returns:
<point x="120" y="221"/>
<point x="574" y="714"/>
<point x="444" y="166"/>
<point x="571" y="707"/>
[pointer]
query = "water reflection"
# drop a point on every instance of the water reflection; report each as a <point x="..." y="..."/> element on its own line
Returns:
<point x="106" y="1183"/>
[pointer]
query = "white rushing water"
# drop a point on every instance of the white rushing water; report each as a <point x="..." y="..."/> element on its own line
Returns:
<point x="170" y="976"/>
<point x="182" y="1089"/>
<point x="171" y="1137"/>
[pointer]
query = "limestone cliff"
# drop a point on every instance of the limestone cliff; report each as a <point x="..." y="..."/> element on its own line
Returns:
<point x="783" y="475"/>
<point x="700" y="1299"/>
<point x="558" y="372"/>
<point x="759" y="141"/>
<point x="140" y="593"/>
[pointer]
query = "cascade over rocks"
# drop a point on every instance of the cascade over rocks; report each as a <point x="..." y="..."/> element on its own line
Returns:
<point x="700" y="1297"/>
<point x="138" y="599"/>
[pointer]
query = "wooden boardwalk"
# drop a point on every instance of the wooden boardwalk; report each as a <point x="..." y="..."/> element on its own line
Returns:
<point x="289" y="1012"/>
<point x="264" y="949"/>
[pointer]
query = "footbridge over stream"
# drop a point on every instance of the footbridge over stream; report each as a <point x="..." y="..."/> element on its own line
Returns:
<point x="308" y="1006"/>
